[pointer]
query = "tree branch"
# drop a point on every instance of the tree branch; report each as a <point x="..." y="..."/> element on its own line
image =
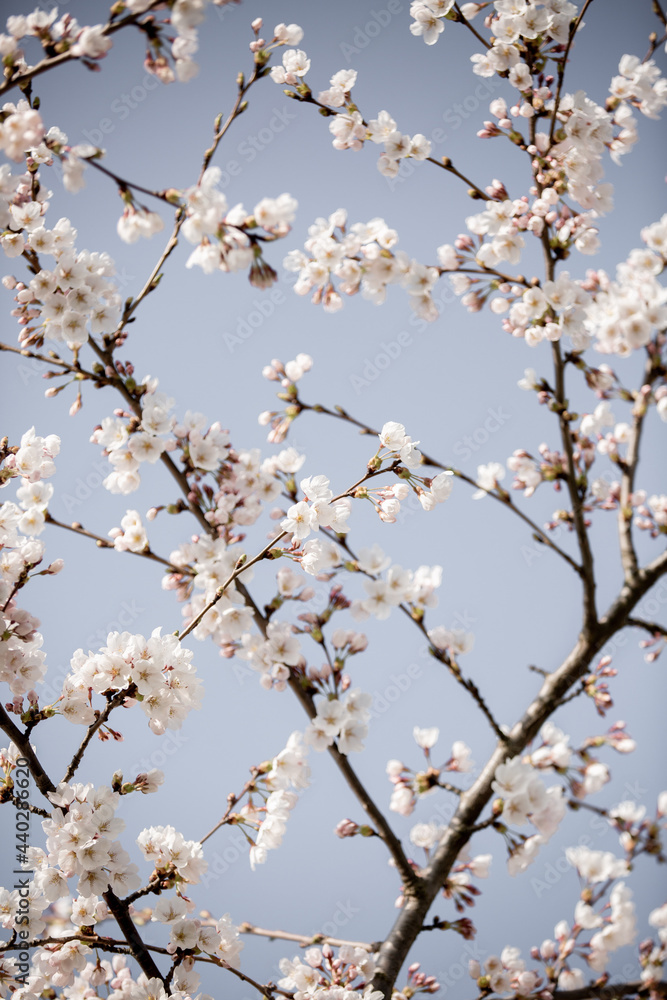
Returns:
<point x="305" y="940"/>
<point x="588" y="572"/>
<point x="574" y="27"/>
<point x="64" y="57"/>
<point x="340" y="414"/>
<point x="138" y="949"/>
<point x="102" y="717"/>
<point x="652" y="627"/>
<point x="406" y="928"/>
<point x="629" y="469"/>
<point x="42" y="780"/>
<point x="410" y="879"/>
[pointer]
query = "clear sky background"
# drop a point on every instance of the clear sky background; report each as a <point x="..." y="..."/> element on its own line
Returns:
<point x="521" y="602"/>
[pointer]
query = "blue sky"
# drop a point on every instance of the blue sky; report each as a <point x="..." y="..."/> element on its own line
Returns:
<point x="452" y="383"/>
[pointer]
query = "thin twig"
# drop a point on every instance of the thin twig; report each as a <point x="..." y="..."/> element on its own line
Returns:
<point x="652" y="627"/>
<point x="574" y="27"/>
<point x="105" y="543"/>
<point x="461" y="19"/>
<point x="42" y="780"/>
<point x="628" y="472"/>
<point x="35" y="810"/>
<point x="340" y="414"/>
<point x="102" y="717"/>
<point x="585" y="551"/>
<point x="409" y="877"/>
<point x="305" y="940"/>
<point x="110" y="28"/>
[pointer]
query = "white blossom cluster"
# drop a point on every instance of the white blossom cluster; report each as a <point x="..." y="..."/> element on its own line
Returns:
<point x="22" y="663"/>
<point x="317" y="510"/>
<point x="21" y="129"/>
<point x="361" y="258"/>
<point x="218" y="938"/>
<point x="614" y="927"/>
<point x="221" y="234"/>
<point x="349" y="132"/>
<point x="158" y="670"/>
<point x="453" y="641"/>
<point x="525" y="796"/>
<point x="341" y="721"/>
<point x="506" y="973"/>
<point x="288" y="774"/>
<point x="348" y="128"/>
<point x="616" y="317"/>
<point x="400" y="586"/>
<point x="409" y="787"/>
<point x="131" y="536"/>
<point x="128" y="445"/>
<point x="272" y="657"/>
<point x="623" y="314"/>
<point x="91" y="42"/>
<point x="72" y="298"/>
<point x="168" y="850"/>
<point x="81" y="844"/>
<point x="317" y="975"/>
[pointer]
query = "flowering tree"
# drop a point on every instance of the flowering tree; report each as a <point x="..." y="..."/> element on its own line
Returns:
<point x="80" y="913"/>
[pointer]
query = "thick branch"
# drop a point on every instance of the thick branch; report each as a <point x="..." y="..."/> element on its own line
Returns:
<point x="406" y="928"/>
<point x="610" y="991"/>
<point x="42" y="779"/>
<point x="139" y="951"/>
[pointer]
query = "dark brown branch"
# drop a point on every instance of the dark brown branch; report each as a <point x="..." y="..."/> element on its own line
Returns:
<point x="102" y="717"/>
<point x="138" y="949"/>
<point x="463" y="20"/>
<point x="612" y="991"/>
<point x="409" y="922"/>
<point x="35" y="810"/>
<point x="42" y="780"/>
<point x="652" y="627"/>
